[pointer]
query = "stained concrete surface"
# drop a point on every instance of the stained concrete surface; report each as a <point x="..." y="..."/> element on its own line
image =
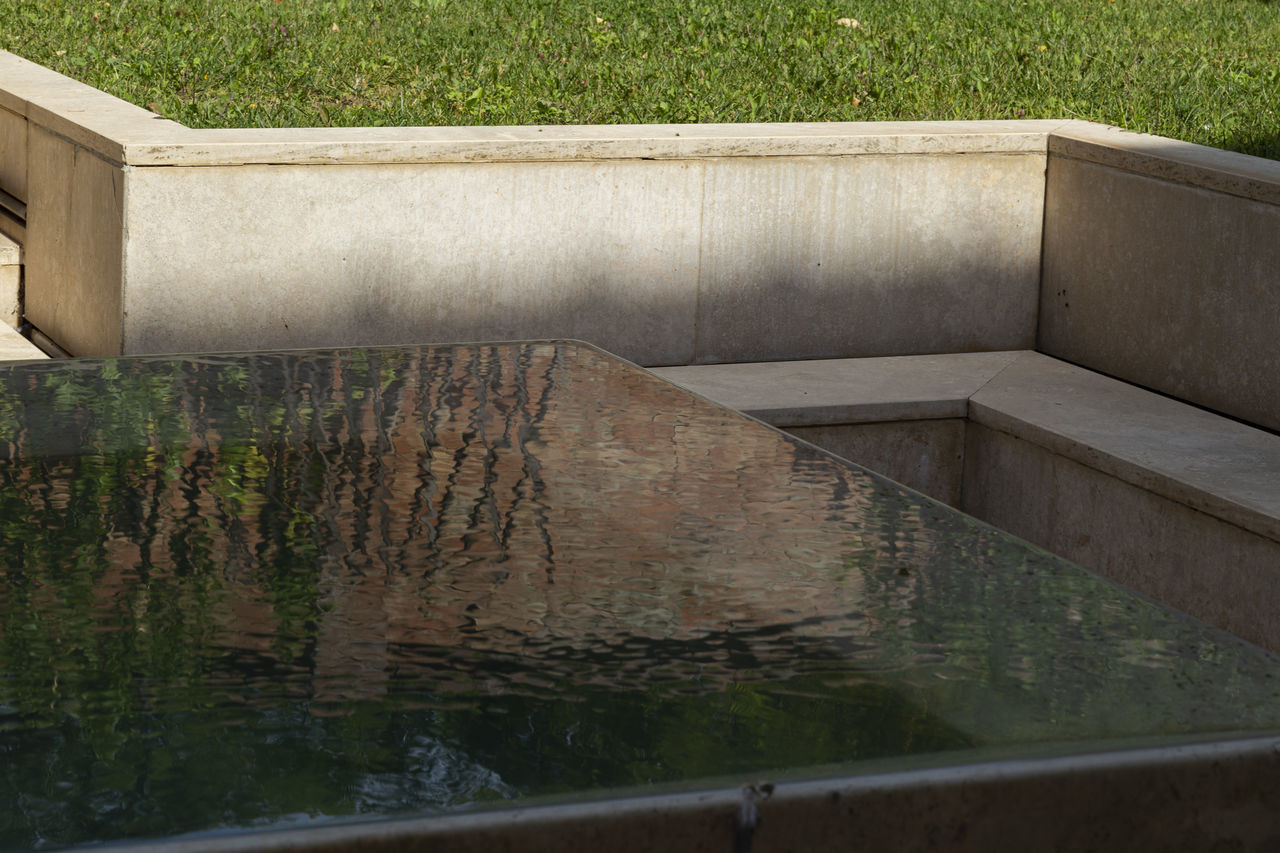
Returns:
<point x="1170" y="286"/>
<point x="73" y="253"/>
<point x="868" y="256"/>
<point x="925" y="455"/>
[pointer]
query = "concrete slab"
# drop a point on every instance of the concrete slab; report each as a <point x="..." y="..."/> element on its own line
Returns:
<point x="846" y="391"/>
<point x="869" y="256"/>
<point x="1169" y="286"/>
<point x="1195" y="458"/>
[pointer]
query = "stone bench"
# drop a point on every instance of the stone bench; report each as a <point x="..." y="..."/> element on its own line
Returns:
<point x="1169" y="499"/>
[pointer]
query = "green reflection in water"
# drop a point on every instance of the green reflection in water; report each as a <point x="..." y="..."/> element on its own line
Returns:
<point x="239" y="591"/>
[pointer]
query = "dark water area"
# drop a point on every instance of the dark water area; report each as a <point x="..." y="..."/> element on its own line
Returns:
<point x="249" y="591"/>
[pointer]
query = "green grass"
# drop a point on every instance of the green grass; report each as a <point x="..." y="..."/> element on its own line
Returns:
<point x="1202" y="70"/>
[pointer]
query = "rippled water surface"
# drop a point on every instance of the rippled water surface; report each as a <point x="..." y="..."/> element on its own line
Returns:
<point x="239" y="591"/>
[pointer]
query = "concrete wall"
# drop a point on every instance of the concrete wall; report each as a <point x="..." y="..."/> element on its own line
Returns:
<point x="74" y="246"/>
<point x="666" y="244"/>
<point x="925" y="455"/>
<point x="663" y="261"/>
<point x="1145" y="258"/>
<point x="1162" y="266"/>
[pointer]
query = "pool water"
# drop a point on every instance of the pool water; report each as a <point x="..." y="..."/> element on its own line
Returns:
<point x="248" y="591"/>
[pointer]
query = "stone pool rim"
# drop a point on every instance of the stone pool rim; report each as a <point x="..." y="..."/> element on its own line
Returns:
<point x="1104" y="800"/>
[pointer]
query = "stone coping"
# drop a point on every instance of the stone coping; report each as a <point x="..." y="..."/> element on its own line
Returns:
<point x="1169" y="159"/>
<point x="989" y="805"/>
<point x="846" y="390"/>
<point x="1205" y="461"/>
<point x="130" y="135"/>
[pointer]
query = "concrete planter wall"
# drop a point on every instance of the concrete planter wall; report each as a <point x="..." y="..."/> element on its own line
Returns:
<point x="666" y="244"/>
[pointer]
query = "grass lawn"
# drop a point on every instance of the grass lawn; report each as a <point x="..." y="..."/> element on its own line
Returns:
<point x="1202" y="70"/>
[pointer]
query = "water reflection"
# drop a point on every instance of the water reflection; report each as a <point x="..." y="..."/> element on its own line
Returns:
<point x="247" y="589"/>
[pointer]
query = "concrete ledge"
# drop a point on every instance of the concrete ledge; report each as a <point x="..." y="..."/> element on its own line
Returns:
<point x="901" y="416"/>
<point x="1118" y="801"/>
<point x="1193" y="457"/>
<point x="1204" y="461"/>
<point x="130" y="135"/>
<point x="846" y="391"/>
<point x="401" y="145"/>
<point x="1168" y="159"/>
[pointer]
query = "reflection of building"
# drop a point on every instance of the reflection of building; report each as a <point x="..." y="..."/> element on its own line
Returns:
<point x="328" y="515"/>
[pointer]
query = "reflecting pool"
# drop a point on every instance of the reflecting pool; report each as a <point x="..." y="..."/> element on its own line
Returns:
<point x="255" y="590"/>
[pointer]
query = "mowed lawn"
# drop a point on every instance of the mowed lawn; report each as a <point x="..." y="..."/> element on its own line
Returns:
<point x="1201" y="70"/>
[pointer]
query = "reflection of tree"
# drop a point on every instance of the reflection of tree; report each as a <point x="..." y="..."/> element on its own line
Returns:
<point x="458" y="534"/>
<point x="527" y="566"/>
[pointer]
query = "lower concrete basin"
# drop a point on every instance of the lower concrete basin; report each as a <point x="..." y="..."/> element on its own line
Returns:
<point x="1174" y="501"/>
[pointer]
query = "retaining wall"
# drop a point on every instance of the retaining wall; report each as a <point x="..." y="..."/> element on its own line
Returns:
<point x="666" y="244"/>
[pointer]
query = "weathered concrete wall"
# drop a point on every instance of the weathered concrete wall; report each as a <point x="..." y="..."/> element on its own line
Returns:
<point x="1162" y="267"/>
<point x="13" y="154"/>
<point x="74" y="246"/>
<point x="926" y="455"/>
<point x="668" y="244"/>
<point x="663" y="262"/>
